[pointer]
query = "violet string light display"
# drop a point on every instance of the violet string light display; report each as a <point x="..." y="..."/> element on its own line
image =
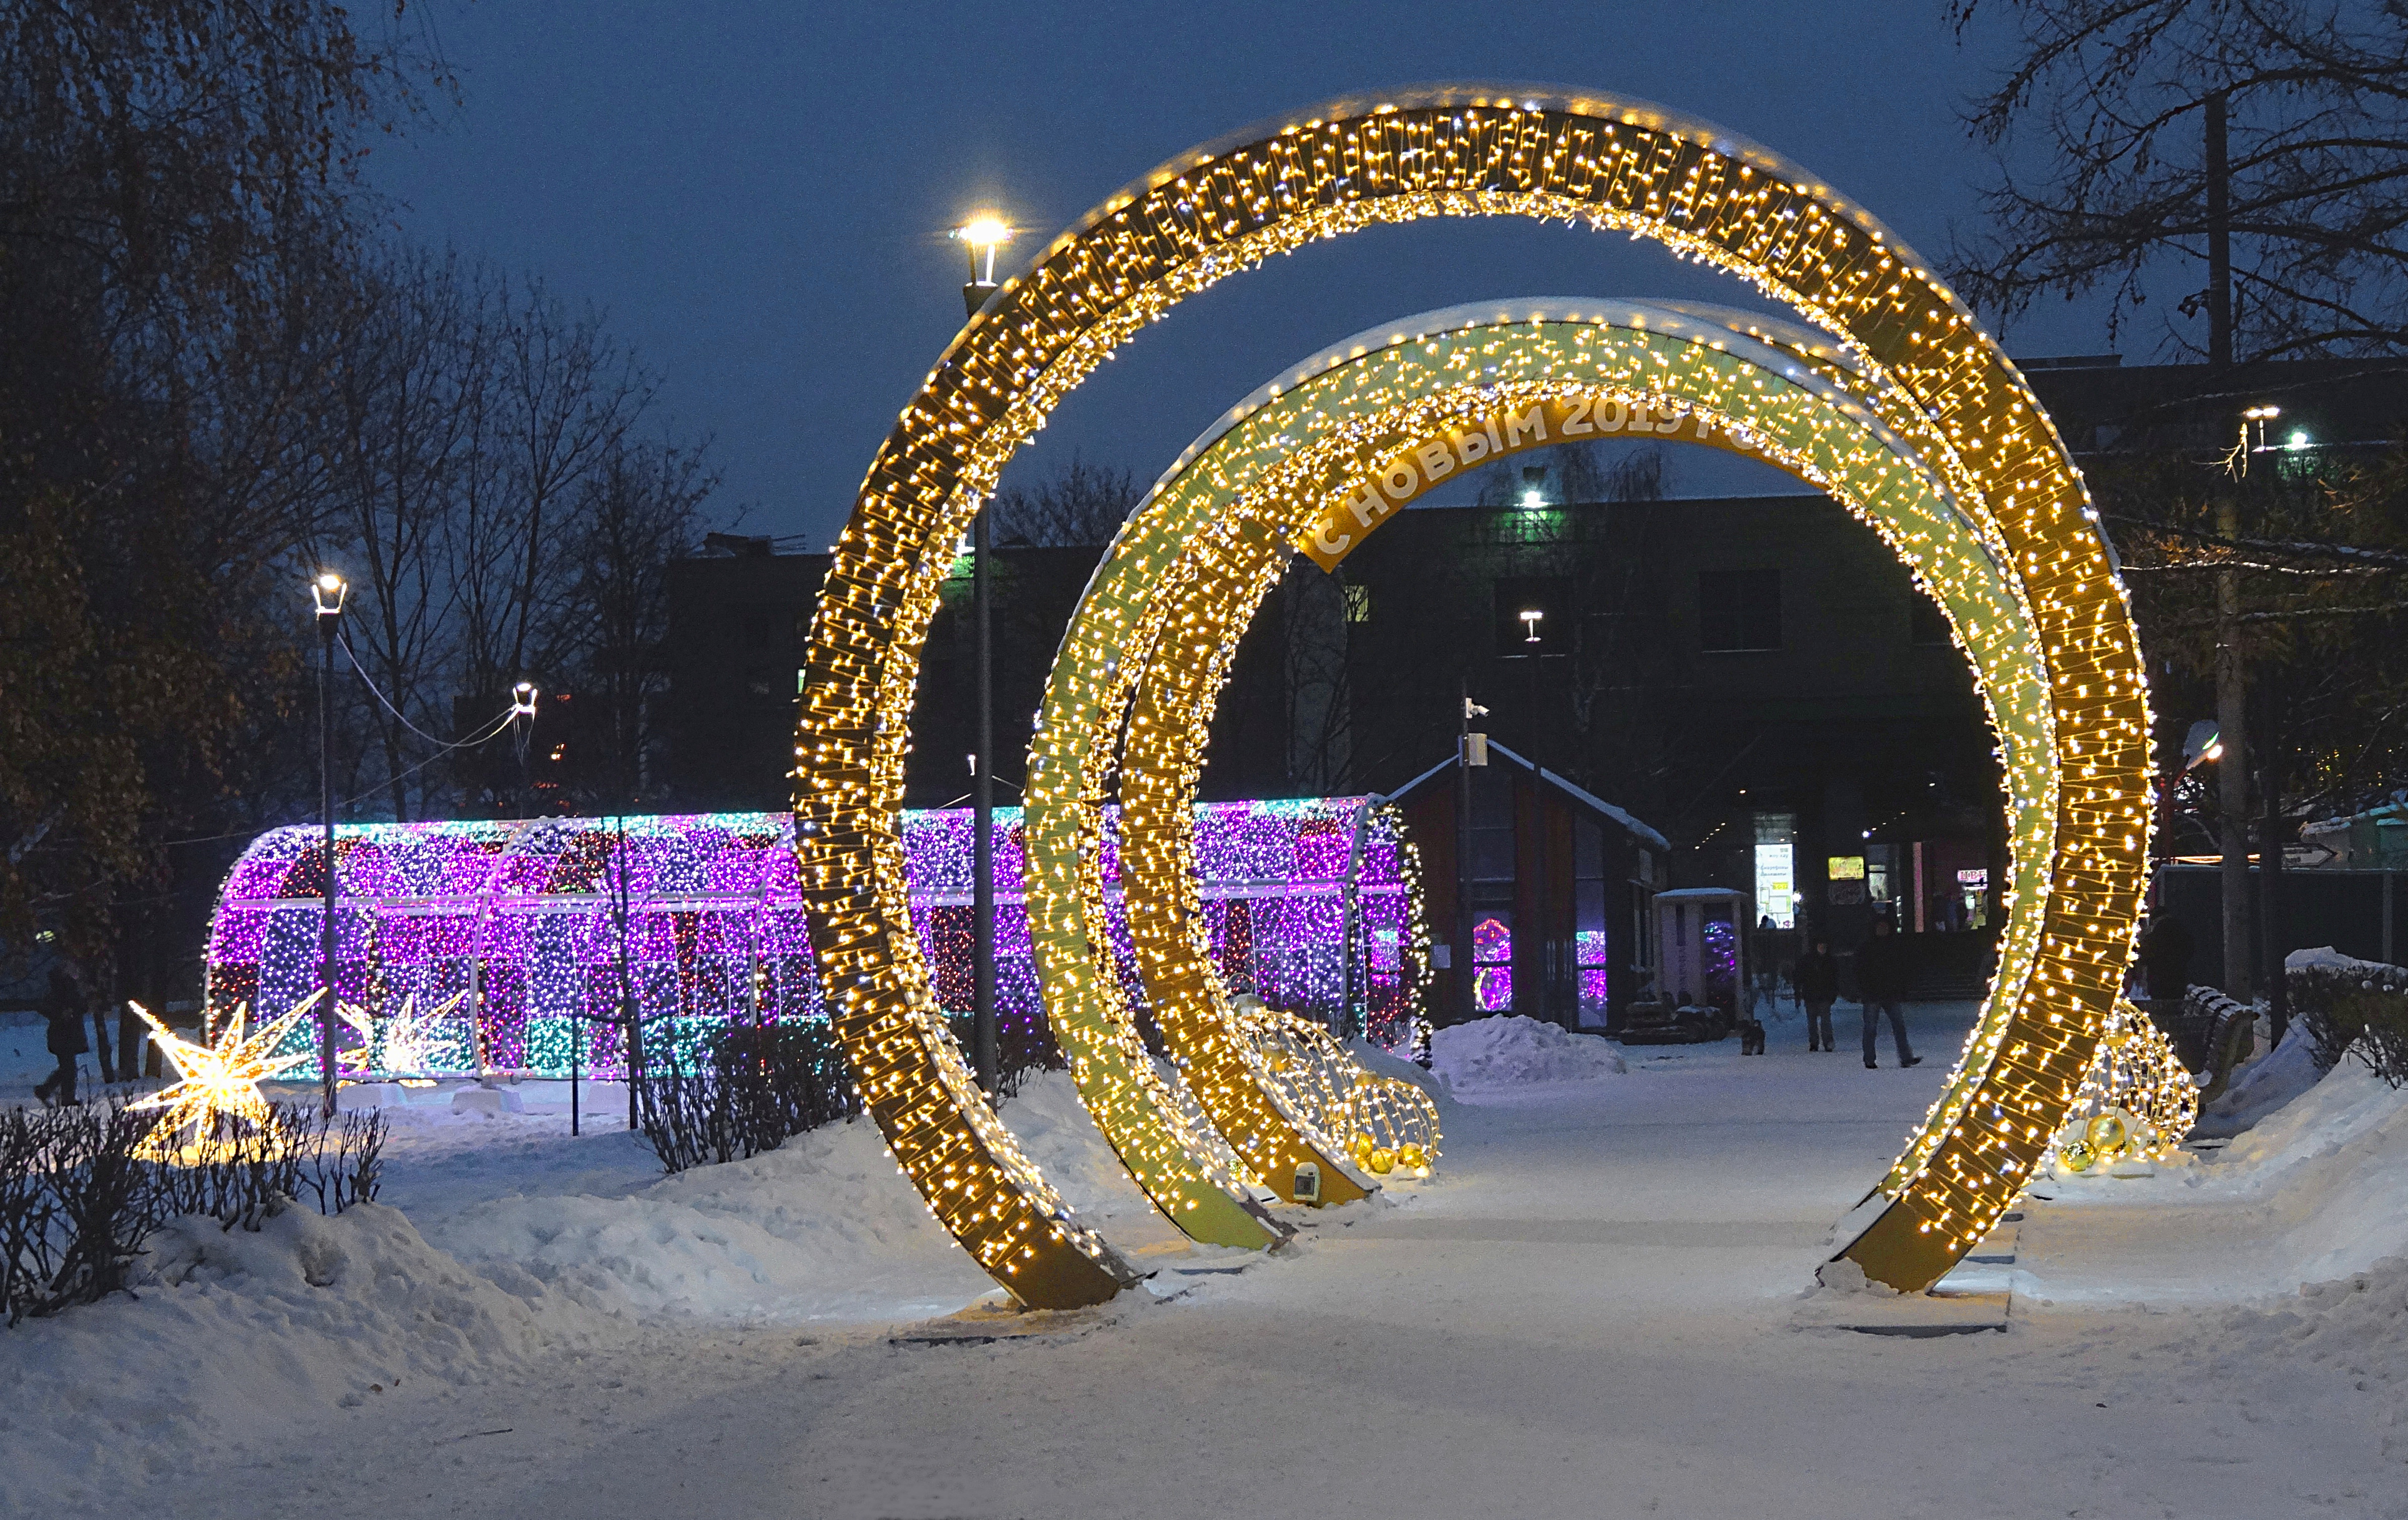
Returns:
<point x="481" y="945"/>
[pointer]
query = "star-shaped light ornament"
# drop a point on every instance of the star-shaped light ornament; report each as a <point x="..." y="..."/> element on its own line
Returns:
<point x="413" y="1044"/>
<point x="221" y="1079"/>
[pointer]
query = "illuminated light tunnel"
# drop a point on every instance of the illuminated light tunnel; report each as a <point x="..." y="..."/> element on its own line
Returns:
<point x="516" y="918"/>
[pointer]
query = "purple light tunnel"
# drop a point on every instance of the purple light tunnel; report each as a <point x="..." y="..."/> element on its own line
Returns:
<point x="1308" y="903"/>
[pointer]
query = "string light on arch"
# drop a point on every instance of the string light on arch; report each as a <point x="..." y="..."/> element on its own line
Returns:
<point x="1610" y="164"/>
<point x="1335" y="447"/>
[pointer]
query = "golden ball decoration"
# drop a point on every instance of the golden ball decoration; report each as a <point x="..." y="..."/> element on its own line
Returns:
<point x="2107" y="1132"/>
<point x="1411" y="1154"/>
<point x="1384" y="1160"/>
<point x="1361" y="1145"/>
<point x="2078" y="1156"/>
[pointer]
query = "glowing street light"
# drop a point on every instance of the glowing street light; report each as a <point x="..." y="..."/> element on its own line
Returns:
<point x="981" y="236"/>
<point x="327" y="593"/>
<point x="522" y="697"/>
<point x="1530" y="616"/>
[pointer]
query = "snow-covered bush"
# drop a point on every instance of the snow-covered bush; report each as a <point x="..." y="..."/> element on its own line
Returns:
<point x="2360" y="1006"/>
<point x="78" y="1198"/>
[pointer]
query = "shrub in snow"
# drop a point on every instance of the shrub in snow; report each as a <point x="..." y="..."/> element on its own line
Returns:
<point x="758" y="1086"/>
<point x="1509" y="1049"/>
<point x="78" y="1200"/>
<point x="2354" y="1005"/>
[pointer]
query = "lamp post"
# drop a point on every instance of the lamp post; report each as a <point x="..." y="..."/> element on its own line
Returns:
<point x="987" y="1054"/>
<point x="981" y="236"/>
<point x="1532" y="651"/>
<point x="328" y="592"/>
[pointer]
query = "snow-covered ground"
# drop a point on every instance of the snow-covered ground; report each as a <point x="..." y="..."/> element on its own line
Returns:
<point x="1591" y="1310"/>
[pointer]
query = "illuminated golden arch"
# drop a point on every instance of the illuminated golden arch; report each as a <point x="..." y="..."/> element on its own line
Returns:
<point x="1935" y="378"/>
<point x="1326" y="452"/>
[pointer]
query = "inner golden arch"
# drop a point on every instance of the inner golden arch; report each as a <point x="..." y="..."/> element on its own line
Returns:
<point x="1148" y="647"/>
<point x="1925" y="371"/>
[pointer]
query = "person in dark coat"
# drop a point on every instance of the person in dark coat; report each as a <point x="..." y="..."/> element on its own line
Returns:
<point x="1817" y="977"/>
<point x="1881" y="985"/>
<point x="63" y="1010"/>
<point x="2165" y="955"/>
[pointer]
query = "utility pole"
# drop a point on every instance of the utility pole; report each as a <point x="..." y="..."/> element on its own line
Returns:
<point x="1470" y="750"/>
<point x="2233" y="781"/>
<point x="988" y="1056"/>
<point x="2231" y="675"/>
<point x="2220" y="239"/>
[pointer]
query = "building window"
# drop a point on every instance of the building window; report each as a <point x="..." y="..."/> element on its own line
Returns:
<point x="1590" y="959"/>
<point x="1738" y="610"/>
<point x="1358" y="603"/>
<point x="1926" y="624"/>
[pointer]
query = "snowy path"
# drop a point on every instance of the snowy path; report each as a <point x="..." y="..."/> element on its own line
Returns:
<point x="1588" y="1314"/>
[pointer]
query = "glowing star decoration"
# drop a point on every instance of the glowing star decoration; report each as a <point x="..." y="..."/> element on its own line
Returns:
<point x="407" y="1044"/>
<point x="1928" y="373"/>
<point x="219" y="1081"/>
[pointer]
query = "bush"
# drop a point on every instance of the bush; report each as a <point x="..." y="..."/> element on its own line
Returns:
<point x="756" y="1086"/>
<point x="78" y="1202"/>
<point x="1023" y="1044"/>
<point x="2361" y="1007"/>
<point x="753" y="1087"/>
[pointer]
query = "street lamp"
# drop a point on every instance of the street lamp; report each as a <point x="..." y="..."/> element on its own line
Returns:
<point x="328" y="592"/>
<point x="522" y="697"/>
<point x="981" y="236"/>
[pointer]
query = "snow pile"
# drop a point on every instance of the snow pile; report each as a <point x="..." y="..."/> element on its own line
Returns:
<point x="825" y="1225"/>
<point x="2264" y="1086"/>
<point x="2359" y="1322"/>
<point x="242" y="1334"/>
<point x="1381" y="1063"/>
<point x="1509" y="1051"/>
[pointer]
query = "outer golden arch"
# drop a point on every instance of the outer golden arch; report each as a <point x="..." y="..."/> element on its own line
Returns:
<point x="1447" y="151"/>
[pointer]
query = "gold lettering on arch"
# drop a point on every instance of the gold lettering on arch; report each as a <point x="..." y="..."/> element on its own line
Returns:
<point x="1396" y="471"/>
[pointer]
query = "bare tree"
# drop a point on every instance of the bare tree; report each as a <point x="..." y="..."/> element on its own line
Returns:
<point x="1082" y="505"/>
<point x="2127" y="109"/>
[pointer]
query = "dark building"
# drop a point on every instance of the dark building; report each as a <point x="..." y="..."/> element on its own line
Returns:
<point x="1756" y="677"/>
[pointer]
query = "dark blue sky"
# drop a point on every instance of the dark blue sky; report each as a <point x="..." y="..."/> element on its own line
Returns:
<point x="757" y="192"/>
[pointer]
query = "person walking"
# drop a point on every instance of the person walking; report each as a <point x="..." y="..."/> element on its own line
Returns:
<point x="1881" y="985"/>
<point x="63" y="1010"/>
<point x="1816" y="978"/>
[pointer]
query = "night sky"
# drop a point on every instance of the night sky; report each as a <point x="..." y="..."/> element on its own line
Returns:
<point x="757" y="194"/>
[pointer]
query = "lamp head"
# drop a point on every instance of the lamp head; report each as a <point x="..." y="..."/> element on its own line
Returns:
<point x="522" y="697"/>
<point x="983" y="231"/>
<point x="328" y="592"/>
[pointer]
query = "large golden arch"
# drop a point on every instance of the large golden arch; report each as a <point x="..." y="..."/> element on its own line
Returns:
<point x="1931" y="375"/>
<point x="1321" y="457"/>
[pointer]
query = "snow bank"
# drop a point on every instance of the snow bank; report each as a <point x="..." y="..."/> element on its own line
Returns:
<point x="1509" y="1051"/>
<point x="241" y="1335"/>
<point x="2264" y="1086"/>
<point x="824" y="1226"/>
